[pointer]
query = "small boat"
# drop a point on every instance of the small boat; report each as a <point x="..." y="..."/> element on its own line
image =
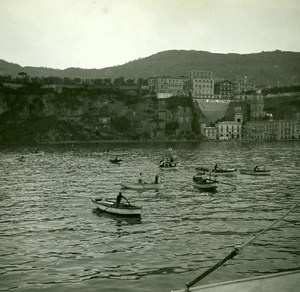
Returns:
<point x="115" y="160"/>
<point x="22" y="158"/>
<point x="171" y="165"/>
<point x="262" y="172"/>
<point x="205" y="183"/>
<point x="109" y="206"/>
<point x="145" y="186"/>
<point x="218" y="171"/>
<point x="37" y="153"/>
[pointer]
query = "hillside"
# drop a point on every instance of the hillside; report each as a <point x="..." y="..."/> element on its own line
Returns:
<point x="275" y="68"/>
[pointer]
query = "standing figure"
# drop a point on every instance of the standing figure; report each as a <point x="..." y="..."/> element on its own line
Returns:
<point x="140" y="180"/>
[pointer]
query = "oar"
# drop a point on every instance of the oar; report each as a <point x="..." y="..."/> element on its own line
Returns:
<point x="226" y="183"/>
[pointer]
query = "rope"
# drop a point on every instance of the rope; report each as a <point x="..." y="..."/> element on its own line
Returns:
<point x="237" y="250"/>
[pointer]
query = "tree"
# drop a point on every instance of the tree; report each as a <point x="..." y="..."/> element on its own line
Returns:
<point x="67" y="81"/>
<point x="107" y="81"/>
<point x="129" y="81"/>
<point x="119" y="81"/>
<point x="98" y="81"/>
<point x="77" y="80"/>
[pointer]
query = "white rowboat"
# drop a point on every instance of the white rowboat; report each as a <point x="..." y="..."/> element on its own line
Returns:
<point x="145" y="186"/>
<point x="109" y="206"/>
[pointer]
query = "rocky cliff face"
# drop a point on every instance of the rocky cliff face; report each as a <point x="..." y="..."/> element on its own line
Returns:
<point x="42" y="115"/>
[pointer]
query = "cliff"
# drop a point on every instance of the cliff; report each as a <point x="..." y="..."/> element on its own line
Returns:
<point x="32" y="114"/>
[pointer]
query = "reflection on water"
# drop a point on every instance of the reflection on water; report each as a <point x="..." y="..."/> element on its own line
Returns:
<point x="53" y="238"/>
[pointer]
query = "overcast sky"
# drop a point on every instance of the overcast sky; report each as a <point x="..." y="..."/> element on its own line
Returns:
<point x="104" y="33"/>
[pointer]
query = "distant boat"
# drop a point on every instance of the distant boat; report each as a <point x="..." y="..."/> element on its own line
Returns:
<point x="168" y="165"/>
<point x="205" y="183"/>
<point x="109" y="206"/>
<point x="218" y="171"/>
<point x="22" y="158"/>
<point x="37" y="153"/>
<point x="145" y="186"/>
<point x="115" y="160"/>
<point x="262" y="172"/>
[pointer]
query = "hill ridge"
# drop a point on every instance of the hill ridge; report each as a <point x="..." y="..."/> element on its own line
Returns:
<point x="269" y="68"/>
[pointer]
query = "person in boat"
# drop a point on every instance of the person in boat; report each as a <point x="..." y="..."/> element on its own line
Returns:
<point x="168" y="163"/>
<point x="156" y="179"/>
<point x="117" y="158"/>
<point x="256" y="168"/>
<point x="119" y="198"/>
<point x="171" y="159"/>
<point x="140" y="180"/>
<point x="215" y="168"/>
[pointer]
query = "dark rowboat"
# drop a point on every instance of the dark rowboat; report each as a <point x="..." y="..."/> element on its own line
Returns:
<point x="109" y="206"/>
<point x="256" y="172"/>
<point x="115" y="160"/>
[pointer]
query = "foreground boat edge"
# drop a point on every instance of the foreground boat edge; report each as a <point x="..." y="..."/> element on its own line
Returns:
<point x="275" y="282"/>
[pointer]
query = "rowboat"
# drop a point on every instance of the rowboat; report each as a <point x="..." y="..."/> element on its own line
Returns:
<point x="141" y="187"/>
<point x="109" y="206"/>
<point x="115" y="160"/>
<point x="256" y="172"/>
<point x="37" y="153"/>
<point x="170" y="166"/>
<point x="275" y="282"/>
<point x="218" y="171"/>
<point x="205" y="183"/>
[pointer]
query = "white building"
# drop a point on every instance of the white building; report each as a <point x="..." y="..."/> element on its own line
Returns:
<point x="228" y="130"/>
<point x="272" y="130"/>
<point x="199" y="83"/>
<point x="167" y="85"/>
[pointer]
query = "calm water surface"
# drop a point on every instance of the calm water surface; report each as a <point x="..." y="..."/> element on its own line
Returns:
<point x="52" y="238"/>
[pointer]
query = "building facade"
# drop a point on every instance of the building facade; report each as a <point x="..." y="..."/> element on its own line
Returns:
<point x="244" y="84"/>
<point x="199" y="83"/>
<point x="224" y="88"/>
<point x="272" y="130"/>
<point x="229" y="130"/>
<point x="169" y="85"/>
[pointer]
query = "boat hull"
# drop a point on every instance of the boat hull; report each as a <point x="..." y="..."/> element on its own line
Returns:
<point x="277" y="282"/>
<point x="204" y="183"/>
<point x="115" y="161"/>
<point x="123" y="209"/>
<point x="141" y="187"/>
<point x="257" y="173"/>
<point x="206" y="186"/>
<point x="227" y="172"/>
<point x="168" y="167"/>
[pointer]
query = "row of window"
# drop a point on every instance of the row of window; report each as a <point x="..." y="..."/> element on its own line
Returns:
<point x="203" y="86"/>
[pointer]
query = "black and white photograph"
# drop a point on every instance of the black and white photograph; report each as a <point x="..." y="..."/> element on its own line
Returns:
<point x="149" y="146"/>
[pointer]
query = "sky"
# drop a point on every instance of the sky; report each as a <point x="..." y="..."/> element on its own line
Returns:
<point x="105" y="33"/>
